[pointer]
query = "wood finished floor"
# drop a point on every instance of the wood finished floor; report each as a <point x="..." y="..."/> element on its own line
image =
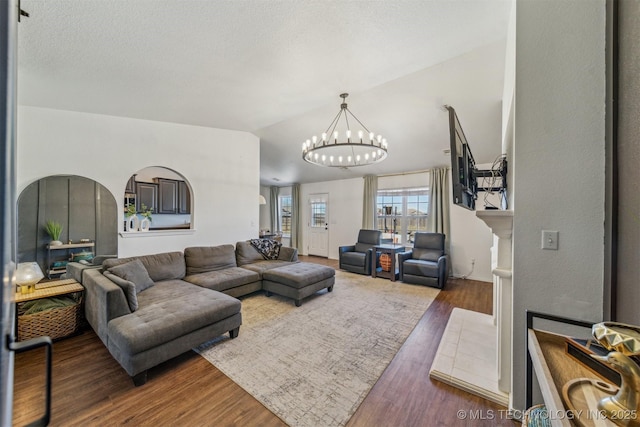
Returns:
<point x="91" y="389"/>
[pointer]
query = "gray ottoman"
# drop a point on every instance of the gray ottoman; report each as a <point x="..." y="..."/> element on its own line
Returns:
<point x="298" y="280"/>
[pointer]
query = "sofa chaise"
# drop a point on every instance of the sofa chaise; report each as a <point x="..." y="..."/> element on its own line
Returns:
<point x="151" y="308"/>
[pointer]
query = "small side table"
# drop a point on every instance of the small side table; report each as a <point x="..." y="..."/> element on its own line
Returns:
<point x="392" y="250"/>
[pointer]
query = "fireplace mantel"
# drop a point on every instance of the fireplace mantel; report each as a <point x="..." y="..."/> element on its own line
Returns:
<point x="500" y="222"/>
<point x="501" y="225"/>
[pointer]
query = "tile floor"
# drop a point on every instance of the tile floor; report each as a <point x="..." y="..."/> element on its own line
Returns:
<point x="467" y="355"/>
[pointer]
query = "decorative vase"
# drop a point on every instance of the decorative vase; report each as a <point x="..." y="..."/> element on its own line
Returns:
<point x="132" y="223"/>
<point x="55" y="243"/>
<point x="145" y="224"/>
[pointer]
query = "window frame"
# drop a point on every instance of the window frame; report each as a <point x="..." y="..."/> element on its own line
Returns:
<point x="399" y="200"/>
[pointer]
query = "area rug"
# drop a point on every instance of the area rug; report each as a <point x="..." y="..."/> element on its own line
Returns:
<point x="313" y="365"/>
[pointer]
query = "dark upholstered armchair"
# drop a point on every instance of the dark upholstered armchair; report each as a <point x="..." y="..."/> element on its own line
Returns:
<point x="427" y="264"/>
<point x="358" y="258"/>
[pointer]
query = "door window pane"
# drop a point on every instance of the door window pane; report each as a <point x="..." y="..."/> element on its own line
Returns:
<point x="318" y="214"/>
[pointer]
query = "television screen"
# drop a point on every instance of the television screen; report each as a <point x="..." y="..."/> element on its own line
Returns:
<point x="463" y="166"/>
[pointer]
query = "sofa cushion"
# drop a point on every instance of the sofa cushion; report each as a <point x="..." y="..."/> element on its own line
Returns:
<point x="221" y="280"/>
<point x="167" y="311"/>
<point x="264" y="265"/>
<point x="163" y="266"/>
<point x="209" y="258"/>
<point x="128" y="288"/>
<point x="247" y="254"/>
<point x="134" y="272"/>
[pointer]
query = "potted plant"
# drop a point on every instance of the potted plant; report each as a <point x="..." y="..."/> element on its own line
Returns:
<point x="146" y="217"/>
<point x="146" y="212"/>
<point x="131" y="210"/>
<point x="54" y="230"/>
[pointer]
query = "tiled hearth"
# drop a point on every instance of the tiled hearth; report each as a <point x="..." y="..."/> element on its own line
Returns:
<point x="467" y="355"/>
<point x="475" y="351"/>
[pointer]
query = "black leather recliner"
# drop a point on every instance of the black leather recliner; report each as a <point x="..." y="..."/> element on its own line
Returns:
<point x="358" y="258"/>
<point x="427" y="264"/>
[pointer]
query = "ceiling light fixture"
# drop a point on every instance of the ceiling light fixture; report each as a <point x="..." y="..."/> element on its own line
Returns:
<point x="337" y="149"/>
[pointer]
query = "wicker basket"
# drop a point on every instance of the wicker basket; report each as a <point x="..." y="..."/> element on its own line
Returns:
<point x="55" y="323"/>
<point x="385" y="262"/>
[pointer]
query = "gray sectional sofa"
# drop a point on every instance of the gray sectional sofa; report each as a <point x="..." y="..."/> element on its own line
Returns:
<point x="151" y="308"/>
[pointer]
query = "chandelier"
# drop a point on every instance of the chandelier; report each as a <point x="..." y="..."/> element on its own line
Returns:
<point x="345" y="149"/>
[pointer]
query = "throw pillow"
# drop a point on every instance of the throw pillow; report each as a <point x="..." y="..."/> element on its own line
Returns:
<point x="134" y="272"/>
<point x="128" y="287"/>
<point x="269" y="249"/>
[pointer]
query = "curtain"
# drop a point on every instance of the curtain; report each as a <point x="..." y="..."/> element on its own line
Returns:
<point x="438" y="218"/>
<point x="275" y="214"/>
<point x="369" y="202"/>
<point x="296" y="229"/>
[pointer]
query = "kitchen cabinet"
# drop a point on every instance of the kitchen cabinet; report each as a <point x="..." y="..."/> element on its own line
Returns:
<point x="167" y="196"/>
<point x="131" y="185"/>
<point x="184" y="198"/>
<point x="147" y="195"/>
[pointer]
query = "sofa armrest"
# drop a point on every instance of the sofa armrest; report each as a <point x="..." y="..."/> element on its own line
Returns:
<point x="76" y="271"/>
<point x="288" y="254"/>
<point x="104" y="300"/>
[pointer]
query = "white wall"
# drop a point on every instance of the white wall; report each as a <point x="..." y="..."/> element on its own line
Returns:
<point x="559" y="158"/>
<point x="470" y="237"/>
<point x="221" y="166"/>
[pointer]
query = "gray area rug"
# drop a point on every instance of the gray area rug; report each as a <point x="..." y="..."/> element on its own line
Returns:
<point x="313" y="365"/>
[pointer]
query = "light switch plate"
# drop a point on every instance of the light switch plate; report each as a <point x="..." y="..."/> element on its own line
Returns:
<point x="550" y="240"/>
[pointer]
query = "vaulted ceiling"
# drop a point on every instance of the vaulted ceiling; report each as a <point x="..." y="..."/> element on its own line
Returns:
<point x="276" y="68"/>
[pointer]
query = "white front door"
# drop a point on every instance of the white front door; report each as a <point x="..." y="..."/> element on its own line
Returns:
<point x="319" y="225"/>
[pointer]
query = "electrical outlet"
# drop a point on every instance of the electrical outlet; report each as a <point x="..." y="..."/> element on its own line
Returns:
<point x="473" y="261"/>
<point x="550" y="240"/>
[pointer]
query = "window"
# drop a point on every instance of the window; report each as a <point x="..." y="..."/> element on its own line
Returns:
<point x="285" y="215"/>
<point x="402" y="212"/>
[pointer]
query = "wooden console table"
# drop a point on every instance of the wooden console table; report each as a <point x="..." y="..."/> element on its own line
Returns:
<point x="554" y="368"/>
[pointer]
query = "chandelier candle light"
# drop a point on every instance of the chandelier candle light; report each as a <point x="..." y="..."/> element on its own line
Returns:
<point x="363" y="148"/>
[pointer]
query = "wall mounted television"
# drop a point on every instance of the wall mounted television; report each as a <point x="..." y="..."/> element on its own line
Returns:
<point x="463" y="166"/>
<point x="464" y="174"/>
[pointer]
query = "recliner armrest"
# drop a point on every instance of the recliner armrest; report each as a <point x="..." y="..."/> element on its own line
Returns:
<point x="350" y="248"/>
<point x="403" y="256"/>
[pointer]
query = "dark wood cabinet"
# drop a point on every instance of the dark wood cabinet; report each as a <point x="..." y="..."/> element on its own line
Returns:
<point x="167" y="196"/>
<point x="147" y="195"/>
<point x="131" y="185"/>
<point x="163" y="196"/>
<point x="184" y="198"/>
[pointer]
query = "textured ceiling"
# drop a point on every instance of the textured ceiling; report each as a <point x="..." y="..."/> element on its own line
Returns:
<point x="276" y="68"/>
